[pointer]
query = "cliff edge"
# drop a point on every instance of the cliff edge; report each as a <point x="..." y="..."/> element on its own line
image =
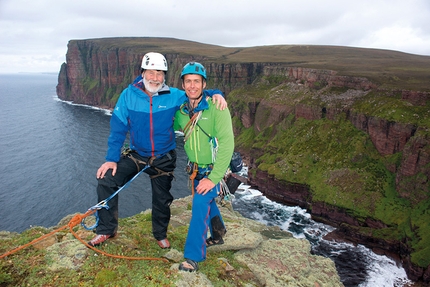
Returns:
<point x="253" y="255"/>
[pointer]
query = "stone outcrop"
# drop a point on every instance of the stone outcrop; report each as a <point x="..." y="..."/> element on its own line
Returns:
<point x="273" y="256"/>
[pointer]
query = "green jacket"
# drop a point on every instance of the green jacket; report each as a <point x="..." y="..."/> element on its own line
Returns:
<point x="215" y="123"/>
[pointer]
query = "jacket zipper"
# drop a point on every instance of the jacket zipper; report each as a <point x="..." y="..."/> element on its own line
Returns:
<point x="151" y="127"/>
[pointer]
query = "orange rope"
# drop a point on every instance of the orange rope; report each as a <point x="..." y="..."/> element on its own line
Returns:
<point x="115" y="256"/>
<point x="72" y="223"/>
<point x="32" y="242"/>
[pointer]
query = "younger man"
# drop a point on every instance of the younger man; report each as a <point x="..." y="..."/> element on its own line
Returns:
<point x="209" y="144"/>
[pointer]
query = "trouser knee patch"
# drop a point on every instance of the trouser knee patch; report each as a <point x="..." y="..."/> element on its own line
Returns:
<point x="218" y="229"/>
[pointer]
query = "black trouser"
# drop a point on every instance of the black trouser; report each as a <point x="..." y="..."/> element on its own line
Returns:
<point x="161" y="196"/>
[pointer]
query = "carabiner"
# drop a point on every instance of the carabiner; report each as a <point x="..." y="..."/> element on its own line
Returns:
<point x="96" y="215"/>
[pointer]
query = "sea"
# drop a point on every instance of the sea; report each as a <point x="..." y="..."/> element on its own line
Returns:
<point x="49" y="153"/>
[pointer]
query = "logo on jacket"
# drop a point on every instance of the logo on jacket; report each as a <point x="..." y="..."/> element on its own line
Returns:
<point x="161" y="107"/>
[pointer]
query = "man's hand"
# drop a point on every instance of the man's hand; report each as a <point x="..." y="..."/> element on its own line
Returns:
<point x="205" y="185"/>
<point x="105" y="167"/>
<point x="220" y="102"/>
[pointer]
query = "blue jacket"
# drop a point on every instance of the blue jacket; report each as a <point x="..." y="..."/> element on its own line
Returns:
<point x="148" y="120"/>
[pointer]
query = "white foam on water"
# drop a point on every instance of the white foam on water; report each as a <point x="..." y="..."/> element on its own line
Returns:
<point x="106" y="111"/>
<point x="382" y="270"/>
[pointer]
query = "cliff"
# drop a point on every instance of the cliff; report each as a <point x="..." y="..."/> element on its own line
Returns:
<point x="363" y="172"/>
<point x="96" y="70"/>
<point x="343" y="132"/>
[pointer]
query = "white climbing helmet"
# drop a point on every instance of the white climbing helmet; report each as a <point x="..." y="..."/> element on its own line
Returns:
<point x="154" y="61"/>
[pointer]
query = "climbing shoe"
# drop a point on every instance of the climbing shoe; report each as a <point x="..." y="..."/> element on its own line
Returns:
<point x="99" y="239"/>
<point x="211" y="242"/>
<point x="192" y="266"/>
<point x="164" y="243"/>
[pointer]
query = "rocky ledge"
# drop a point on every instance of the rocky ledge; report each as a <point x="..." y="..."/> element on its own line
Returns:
<point x="273" y="257"/>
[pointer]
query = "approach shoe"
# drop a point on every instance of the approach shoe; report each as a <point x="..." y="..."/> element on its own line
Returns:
<point x="164" y="243"/>
<point x="99" y="239"/>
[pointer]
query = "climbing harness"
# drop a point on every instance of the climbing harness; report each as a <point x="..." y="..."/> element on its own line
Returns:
<point x="197" y="173"/>
<point x="103" y="204"/>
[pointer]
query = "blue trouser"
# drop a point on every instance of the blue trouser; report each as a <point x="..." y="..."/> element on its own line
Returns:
<point x="203" y="210"/>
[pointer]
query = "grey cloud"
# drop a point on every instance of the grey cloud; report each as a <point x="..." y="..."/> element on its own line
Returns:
<point x="35" y="33"/>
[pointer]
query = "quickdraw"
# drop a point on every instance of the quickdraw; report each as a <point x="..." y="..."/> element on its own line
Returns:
<point x="104" y="203"/>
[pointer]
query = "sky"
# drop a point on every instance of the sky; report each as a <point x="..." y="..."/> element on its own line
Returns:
<point x="34" y="34"/>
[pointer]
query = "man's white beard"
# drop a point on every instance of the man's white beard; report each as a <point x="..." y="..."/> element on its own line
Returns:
<point x="150" y="88"/>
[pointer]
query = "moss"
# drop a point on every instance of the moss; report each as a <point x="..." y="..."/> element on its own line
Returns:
<point x="104" y="277"/>
<point x="245" y="139"/>
<point x="421" y="257"/>
<point x="275" y="79"/>
<point x="393" y="109"/>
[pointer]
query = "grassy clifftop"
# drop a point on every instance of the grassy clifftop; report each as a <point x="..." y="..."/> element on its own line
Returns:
<point x="388" y="69"/>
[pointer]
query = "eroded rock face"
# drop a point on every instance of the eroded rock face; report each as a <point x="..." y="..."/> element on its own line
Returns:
<point x="284" y="192"/>
<point x="94" y="72"/>
<point x="388" y="137"/>
<point x="417" y="98"/>
<point x="412" y="177"/>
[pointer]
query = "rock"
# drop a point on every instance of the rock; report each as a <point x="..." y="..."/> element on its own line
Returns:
<point x="69" y="254"/>
<point x="238" y="237"/>
<point x="174" y="255"/>
<point x="49" y="241"/>
<point x="287" y="262"/>
<point x="225" y="264"/>
<point x="195" y="279"/>
<point x="7" y="235"/>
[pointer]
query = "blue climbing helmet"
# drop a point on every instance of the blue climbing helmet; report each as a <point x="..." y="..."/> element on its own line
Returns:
<point x="193" y="68"/>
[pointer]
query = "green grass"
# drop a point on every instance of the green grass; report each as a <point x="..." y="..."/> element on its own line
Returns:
<point x="31" y="266"/>
<point x="393" y="109"/>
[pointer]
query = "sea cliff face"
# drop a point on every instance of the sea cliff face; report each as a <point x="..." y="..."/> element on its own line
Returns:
<point x="267" y="99"/>
<point x="404" y="149"/>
